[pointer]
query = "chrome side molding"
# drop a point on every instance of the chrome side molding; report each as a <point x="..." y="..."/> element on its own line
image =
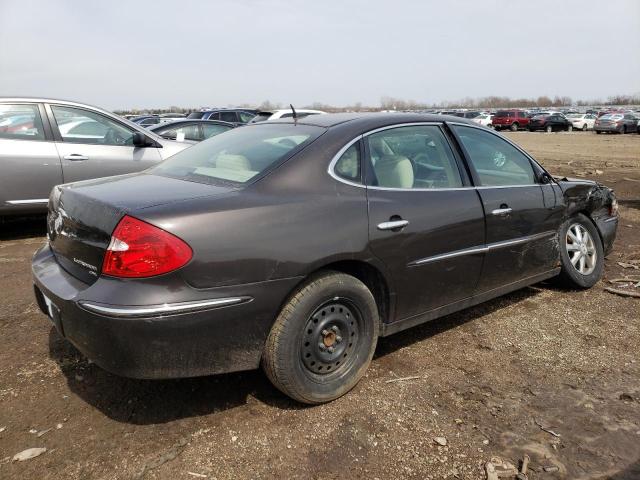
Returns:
<point x="483" y="248"/>
<point x="167" y="308"/>
<point x="31" y="201"/>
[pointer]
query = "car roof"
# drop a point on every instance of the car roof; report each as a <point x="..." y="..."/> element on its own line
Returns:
<point x="369" y="119"/>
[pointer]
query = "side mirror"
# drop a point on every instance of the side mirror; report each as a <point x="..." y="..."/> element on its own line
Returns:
<point x="140" y="139"/>
<point x="545" y="178"/>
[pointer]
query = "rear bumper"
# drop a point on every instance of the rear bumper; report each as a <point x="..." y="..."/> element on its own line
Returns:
<point x="202" y="332"/>
<point x="606" y="128"/>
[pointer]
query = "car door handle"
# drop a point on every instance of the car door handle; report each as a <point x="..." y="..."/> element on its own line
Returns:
<point x="502" y="211"/>
<point x="74" y="157"/>
<point x="393" y="224"/>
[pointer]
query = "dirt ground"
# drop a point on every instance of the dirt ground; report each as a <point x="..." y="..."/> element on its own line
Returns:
<point x="544" y="371"/>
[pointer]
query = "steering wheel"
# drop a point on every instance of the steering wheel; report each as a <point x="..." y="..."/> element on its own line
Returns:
<point x="113" y="137"/>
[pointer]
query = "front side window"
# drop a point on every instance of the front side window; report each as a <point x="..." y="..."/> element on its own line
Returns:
<point x="20" y="122"/>
<point x="496" y="161"/>
<point x="77" y="125"/>
<point x="348" y="166"/>
<point x="412" y="157"/>
<point x="240" y="154"/>
<point x="245" y="116"/>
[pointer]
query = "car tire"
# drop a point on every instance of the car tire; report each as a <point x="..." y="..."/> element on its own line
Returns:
<point x="584" y="127"/>
<point x="583" y="267"/>
<point x="569" y="128"/>
<point x="323" y="339"/>
<point x="514" y="127"/>
<point x="623" y="130"/>
<point x="598" y="132"/>
<point x="549" y="129"/>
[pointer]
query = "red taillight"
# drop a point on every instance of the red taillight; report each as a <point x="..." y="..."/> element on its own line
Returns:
<point x="139" y="249"/>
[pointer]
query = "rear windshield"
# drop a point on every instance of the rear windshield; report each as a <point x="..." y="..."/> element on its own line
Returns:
<point x="612" y="116"/>
<point x="196" y="115"/>
<point x="504" y="113"/>
<point x="240" y="154"/>
<point x="575" y="115"/>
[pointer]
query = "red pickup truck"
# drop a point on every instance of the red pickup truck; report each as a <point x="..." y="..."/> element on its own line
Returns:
<point x="512" y="119"/>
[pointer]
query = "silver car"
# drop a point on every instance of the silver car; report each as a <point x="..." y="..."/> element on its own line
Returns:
<point x="46" y="142"/>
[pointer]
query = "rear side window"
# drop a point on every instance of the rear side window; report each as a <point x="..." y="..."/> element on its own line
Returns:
<point x="212" y="129"/>
<point x="496" y="161"/>
<point x="187" y="132"/>
<point x="348" y="166"/>
<point x="228" y="116"/>
<point x="412" y="157"/>
<point x="196" y="115"/>
<point x="240" y="154"/>
<point x="20" y="122"/>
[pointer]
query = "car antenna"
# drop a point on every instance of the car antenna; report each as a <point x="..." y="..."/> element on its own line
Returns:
<point x="295" y="115"/>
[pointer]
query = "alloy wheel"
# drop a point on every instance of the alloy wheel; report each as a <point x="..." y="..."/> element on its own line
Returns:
<point x="581" y="249"/>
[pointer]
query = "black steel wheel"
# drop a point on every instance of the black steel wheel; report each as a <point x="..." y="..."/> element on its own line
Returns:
<point x="323" y="340"/>
<point x="331" y="335"/>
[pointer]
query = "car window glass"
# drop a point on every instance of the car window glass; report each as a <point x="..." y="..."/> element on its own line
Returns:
<point x="497" y="162"/>
<point x="245" y="116"/>
<point x="214" y="116"/>
<point x="20" y="122"/>
<point x="413" y="157"/>
<point x="186" y="132"/>
<point x="212" y="129"/>
<point x="228" y="116"/>
<point x="348" y="166"/>
<point x="83" y="126"/>
<point x="239" y="155"/>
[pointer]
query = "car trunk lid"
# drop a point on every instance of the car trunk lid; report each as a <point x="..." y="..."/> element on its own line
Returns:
<point x="83" y="215"/>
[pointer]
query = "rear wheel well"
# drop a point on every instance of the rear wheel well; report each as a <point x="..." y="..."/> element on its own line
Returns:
<point x="371" y="277"/>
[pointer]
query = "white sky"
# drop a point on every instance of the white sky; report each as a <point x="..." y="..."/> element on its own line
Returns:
<point x="144" y="53"/>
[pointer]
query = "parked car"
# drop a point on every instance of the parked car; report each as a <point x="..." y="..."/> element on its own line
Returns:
<point x="47" y="142"/>
<point x="550" y="123"/>
<point x="483" y="119"/>
<point x="467" y="114"/>
<point x="191" y="130"/>
<point x="224" y="114"/>
<point x="616" y="123"/>
<point x="285" y="113"/>
<point x="511" y="119"/>
<point x="152" y="121"/>
<point x="295" y="245"/>
<point x="582" y="121"/>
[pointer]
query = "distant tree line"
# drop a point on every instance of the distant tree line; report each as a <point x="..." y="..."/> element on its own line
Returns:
<point x="392" y="103"/>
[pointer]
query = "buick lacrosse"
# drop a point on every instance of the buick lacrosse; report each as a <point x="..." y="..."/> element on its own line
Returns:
<point x="295" y="244"/>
